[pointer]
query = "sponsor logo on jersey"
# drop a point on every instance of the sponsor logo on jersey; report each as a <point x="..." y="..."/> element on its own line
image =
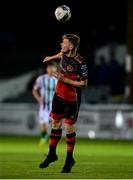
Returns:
<point x="69" y="68"/>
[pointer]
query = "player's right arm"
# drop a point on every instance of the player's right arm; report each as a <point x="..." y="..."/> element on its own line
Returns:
<point x="51" y="58"/>
<point x="35" y="90"/>
<point x="36" y="96"/>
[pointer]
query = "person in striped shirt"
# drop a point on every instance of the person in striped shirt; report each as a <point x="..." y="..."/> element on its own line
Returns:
<point x="43" y="91"/>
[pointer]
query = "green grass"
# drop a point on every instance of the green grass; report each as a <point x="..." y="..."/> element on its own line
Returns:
<point x="20" y="157"/>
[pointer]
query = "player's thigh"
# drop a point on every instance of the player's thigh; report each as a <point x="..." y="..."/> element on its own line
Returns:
<point x="71" y="114"/>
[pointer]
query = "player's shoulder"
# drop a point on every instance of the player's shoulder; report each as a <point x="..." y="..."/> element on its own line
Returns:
<point x="41" y="76"/>
<point x="50" y="77"/>
<point x="55" y="79"/>
<point x="79" y="59"/>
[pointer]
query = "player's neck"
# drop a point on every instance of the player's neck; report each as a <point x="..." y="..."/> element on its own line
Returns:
<point x="49" y="74"/>
<point x="71" y="54"/>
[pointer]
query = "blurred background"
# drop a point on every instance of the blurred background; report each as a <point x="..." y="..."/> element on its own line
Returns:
<point x="29" y="32"/>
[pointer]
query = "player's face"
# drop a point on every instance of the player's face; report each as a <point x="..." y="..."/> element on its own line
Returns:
<point x="51" y="69"/>
<point x="66" y="46"/>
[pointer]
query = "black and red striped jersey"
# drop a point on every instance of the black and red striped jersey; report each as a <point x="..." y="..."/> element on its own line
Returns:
<point x="74" y="68"/>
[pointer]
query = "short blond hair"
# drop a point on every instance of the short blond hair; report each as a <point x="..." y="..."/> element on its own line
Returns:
<point x="74" y="39"/>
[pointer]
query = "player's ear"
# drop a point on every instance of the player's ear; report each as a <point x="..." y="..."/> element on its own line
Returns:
<point x="71" y="47"/>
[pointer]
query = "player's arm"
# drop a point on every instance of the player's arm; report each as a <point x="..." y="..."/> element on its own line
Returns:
<point x="51" y="58"/>
<point x="80" y="84"/>
<point x="36" y="96"/>
<point x="35" y="90"/>
<point x="83" y="78"/>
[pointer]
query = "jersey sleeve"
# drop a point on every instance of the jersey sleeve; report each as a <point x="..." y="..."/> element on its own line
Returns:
<point x="37" y="84"/>
<point x="84" y="71"/>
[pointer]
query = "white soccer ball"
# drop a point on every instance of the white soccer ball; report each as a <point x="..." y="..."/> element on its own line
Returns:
<point x="63" y="13"/>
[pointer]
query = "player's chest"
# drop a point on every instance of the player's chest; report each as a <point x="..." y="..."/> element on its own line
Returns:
<point x="48" y="85"/>
<point x="69" y="66"/>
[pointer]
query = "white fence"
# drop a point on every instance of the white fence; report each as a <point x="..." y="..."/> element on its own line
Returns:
<point x="94" y="121"/>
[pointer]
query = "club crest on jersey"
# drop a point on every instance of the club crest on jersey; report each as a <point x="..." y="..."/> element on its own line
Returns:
<point x="69" y="68"/>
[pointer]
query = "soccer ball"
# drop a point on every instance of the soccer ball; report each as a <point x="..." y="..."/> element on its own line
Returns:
<point x="63" y="13"/>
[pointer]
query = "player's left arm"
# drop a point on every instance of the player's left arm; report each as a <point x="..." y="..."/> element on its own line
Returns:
<point x="80" y="84"/>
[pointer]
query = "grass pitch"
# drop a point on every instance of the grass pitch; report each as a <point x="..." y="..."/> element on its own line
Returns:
<point x="95" y="159"/>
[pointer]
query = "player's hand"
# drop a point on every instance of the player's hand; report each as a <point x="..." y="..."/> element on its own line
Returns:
<point x="62" y="77"/>
<point x="46" y="59"/>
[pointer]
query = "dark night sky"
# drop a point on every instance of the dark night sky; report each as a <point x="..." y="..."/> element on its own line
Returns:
<point x="35" y="28"/>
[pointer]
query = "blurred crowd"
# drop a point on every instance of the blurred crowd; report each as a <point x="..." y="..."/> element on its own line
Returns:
<point x="109" y="78"/>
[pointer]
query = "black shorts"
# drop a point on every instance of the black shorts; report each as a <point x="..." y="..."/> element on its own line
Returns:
<point x="64" y="109"/>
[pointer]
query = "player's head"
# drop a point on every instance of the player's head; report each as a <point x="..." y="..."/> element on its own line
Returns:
<point x="51" y="68"/>
<point x="70" y="43"/>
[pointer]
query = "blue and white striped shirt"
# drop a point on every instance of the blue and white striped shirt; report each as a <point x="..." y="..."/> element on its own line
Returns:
<point x="46" y="85"/>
